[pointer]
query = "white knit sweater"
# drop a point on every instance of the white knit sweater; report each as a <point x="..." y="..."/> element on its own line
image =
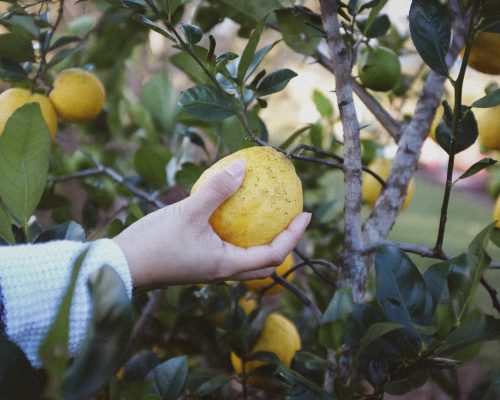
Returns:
<point x="33" y="280"/>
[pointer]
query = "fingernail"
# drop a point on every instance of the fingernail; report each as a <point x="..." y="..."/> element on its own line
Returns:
<point x="236" y="168"/>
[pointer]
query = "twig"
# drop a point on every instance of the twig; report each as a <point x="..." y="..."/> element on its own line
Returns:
<point x="457" y="115"/>
<point x="492" y="292"/>
<point x="148" y="311"/>
<point x="306" y="300"/>
<point x="354" y="271"/>
<point x="148" y="197"/>
<point x="77" y="175"/>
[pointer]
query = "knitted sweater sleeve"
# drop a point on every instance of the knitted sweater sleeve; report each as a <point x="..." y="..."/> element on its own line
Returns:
<point x="33" y="280"/>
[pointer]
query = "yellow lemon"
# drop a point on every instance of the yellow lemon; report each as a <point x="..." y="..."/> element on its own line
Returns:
<point x="257" y="284"/>
<point x="488" y="125"/>
<point x="485" y="53"/>
<point x="269" y="198"/>
<point x="371" y="187"/>
<point x="279" y="336"/>
<point x="435" y="122"/>
<point x="14" y="98"/>
<point x="496" y="212"/>
<point x="78" y="95"/>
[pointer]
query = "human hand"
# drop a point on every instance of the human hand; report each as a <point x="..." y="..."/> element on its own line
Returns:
<point x="177" y="245"/>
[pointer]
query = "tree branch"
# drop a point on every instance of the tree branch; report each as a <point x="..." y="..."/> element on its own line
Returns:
<point x="353" y="270"/>
<point x="390" y="124"/>
<point x="389" y="203"/>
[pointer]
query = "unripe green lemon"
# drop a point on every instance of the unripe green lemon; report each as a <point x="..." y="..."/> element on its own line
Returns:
<point x="379" y="69"/>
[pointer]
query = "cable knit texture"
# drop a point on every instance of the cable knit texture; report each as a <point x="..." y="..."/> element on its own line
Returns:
<point x="33" y="280"/>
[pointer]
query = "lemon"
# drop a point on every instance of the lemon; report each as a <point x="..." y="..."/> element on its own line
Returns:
<point x="435" y="122"/>
<point x="488" y="125"/>
<point x="78" y="95"/>
<point x="485" y="53"/>
<point x="269" y="198"/>
<point x="371" y="187"/>
<point x="14" y="98"/>
<point x="279" y="336"/>
<point x="379" y="69"/>
<point x="496" y="212"/>
<point x="257" y="284"/>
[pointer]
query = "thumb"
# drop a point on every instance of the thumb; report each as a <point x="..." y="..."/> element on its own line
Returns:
<point x="220" y="187"/>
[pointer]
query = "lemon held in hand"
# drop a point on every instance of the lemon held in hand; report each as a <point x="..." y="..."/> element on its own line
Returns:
<point x="14" y="98"/>
<point x="371" y="187"/>
<point x="258" y="284"/>
<point x="269" y="198"/>
<point x="78" y="95"/>
<point x="279" y="336"/>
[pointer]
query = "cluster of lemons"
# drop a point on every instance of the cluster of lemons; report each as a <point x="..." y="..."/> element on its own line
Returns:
<point x="76" y="96"/>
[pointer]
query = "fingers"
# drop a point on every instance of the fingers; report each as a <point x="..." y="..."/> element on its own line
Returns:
<point x="271" y="255"/>
<point x="215" y="191"/>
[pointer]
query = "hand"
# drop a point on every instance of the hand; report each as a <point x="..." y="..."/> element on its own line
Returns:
<point x="177" y="245"/>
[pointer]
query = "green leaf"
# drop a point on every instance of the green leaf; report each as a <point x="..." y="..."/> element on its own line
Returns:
<point x="23" y="24"/>
<point x="168" y="378"/>
<point x="401" y="291"/>
<point x="69" y="230"/>
<point x="316" y="135"/>
<point x="15" y="372"/>
<point x="274" y="82"/>
<point x="492" y="99"/>
<point x="24" y="161"/>
<point x="311" y="361"/>
<point x="430" y="29"/>
<point x="376" y="331"/>
<point x="323" y="104"/>
<point x="292" y="377"/>
<point x="62" y="55"/>
<point x="16" y="47"/>
<point x="288" y="142"/>
<point x="150" y="162"/>
<point x="405" y="385"/>
<point x="436" y="278"/>
<point x="189" y="66"/>
<point x="156" y="27"/>
<point x="459" y="283"/>
<point x="300" y="30"/>
<point x="379" y="25"/>
<point x="6" y="225"/>
<point x="248" y="12"/>
<point x="53" y="350"/>
<point x="375" y="6"/>
<point x="205" y="103"/>
<point x="212" y="385"/>
<point x="173" y="5"/>
<point x="64" y="40"/>
<point x="108" y="333"/>
<point x="192" y="33"/>
<point x="467" y="131"/>
<point x="249" y="52"/>
<point x="340" y="306"/>
<point x="258" y="57"/>
<point x="188" y="175"/>
<point x="11" y="71"/>
<point x="476" y="167"/>
<point x="159" y="98"/>
<point x="479" y="329"/>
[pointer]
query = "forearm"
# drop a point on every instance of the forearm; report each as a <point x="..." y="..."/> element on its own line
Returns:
<point x="33" y="280"/>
